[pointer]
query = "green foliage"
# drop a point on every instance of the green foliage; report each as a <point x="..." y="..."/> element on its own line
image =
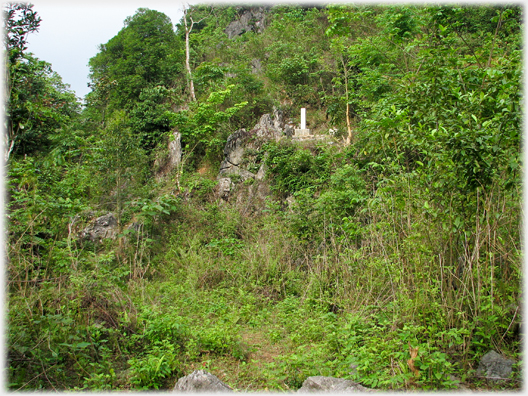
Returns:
<point x="149" y="371"/>
<point x="154" y="210"/>
<point x="227" y="246"/>
<point x="394" y="261"/>
<point x="149" y="119"/>
<point x="119" y="161"/>
<point x="144" y="54"/>
<point x="19" y="20"/>
<point x="39" y="104"/>
<point x="294" y="169"/>
<point x="205" y="122"/>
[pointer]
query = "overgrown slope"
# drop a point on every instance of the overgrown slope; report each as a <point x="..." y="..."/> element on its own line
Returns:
<point x="401" y="230"/>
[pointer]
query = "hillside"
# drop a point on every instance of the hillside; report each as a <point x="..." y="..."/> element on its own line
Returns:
<point x="178" y="222"/>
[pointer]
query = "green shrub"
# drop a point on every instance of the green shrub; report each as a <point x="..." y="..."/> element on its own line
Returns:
<point x="150" y="370"/>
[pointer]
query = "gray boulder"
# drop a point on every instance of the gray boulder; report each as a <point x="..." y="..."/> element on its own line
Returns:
<point x="234" y="151"/>
<point x="494" y="366"/>
<point x="201" y="381"/>
<point x="331" y="384"/>
<point x="243" y="160"/>
<point x="269" y="128"/>
<point x="101" y="228"/>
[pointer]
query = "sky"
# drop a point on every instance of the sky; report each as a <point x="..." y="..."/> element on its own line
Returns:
<point x="72" y="31"/>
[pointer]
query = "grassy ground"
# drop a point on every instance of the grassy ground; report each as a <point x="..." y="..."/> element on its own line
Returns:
<point x="240" y="294"/>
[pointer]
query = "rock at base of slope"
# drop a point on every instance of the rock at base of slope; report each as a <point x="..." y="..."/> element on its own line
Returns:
<point x="494" y="366"/>
<point x="201" y="381"/>
<point x="331" y="384"/>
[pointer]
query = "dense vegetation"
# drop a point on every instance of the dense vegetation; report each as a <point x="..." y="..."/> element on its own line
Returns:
<point x="405" y="232"/>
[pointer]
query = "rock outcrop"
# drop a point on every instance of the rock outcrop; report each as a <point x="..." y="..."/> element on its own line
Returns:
<point x="101" y="228"/>
<point x="237" y="144"/>
<point x="331" y="384"/>
<point x="240" y="150"/>
<point x="251" y="20"/>
<point x="494" y="366"/>
<point x="244" y="163"/>
<point x="172" y="158"/>
<point x="201" y="381"/>
<point x="223" y="188"/>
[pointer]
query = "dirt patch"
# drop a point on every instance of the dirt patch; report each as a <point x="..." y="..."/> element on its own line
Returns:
<point x="262" y="350"/>
<point x="204" y="169"/>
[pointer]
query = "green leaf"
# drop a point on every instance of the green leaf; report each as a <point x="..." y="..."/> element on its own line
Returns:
<point x="82" y="344"/>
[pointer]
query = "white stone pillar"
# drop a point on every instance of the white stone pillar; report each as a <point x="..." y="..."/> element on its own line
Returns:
<point x="303" y="118"/>
<point x="302" y="131"/>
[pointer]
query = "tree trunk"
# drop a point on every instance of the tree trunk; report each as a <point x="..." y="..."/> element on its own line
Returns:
<point x="349" y="128"/>
<point x="187" y="53"/>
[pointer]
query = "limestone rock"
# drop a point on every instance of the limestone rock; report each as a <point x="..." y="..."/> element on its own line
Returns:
<point x="201" y="381"/>
<point x="240" y="145"/>
<point x="256" y="66"/>
<point x="223" y="188"/>
<point x="234" y="149"/>
<point x="331" y="384"/>
<point x="270" y="127"/>
<point x="252" y="19"/>
<point x="494" y="366"/>
<point x="242" y="159"/>
<point x="175" y="150"/>
<point x="252" y="198"/>
<point x="261" y="172"/>
<point x="170" y="159"/>
<point x="101" y="228"/>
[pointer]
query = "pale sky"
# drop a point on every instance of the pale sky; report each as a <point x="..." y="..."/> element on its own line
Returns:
<point x="71" y="32"/>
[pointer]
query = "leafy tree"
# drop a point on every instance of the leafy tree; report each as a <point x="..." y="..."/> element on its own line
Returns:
<point x="19" y="20"/>
<point x="119" y="163"/>
<point x="149" y="119"/>
<point x="295" y="54"/>
<point x="38" y="101"/>
<point x="39" y="104"/>
<point x="144" y="54"/>
<point x="203" y="125"/>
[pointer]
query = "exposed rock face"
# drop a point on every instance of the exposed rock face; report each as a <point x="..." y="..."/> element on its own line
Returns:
<point x="269" y="128"/>
<point x="241" y="145"/>
<point x="224" y="187"/>
<point x="233" y="153"/>
<point x="256" y="66"/>
<point x="175" y="150"/>
<point x="330" y="384"/>
<point x="252" y="19"/>
<point x="172" y="160"/>
<point x="495" y="367"/>
<point x="201" y="381"/>
<point x="101" y="228"/>
<point x="243" y="169"/>
<point x="243" y="161"/>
